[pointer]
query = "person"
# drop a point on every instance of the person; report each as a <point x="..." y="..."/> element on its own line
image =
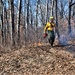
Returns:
<point x="50" y="29"/>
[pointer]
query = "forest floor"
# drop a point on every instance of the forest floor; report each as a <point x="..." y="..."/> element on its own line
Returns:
<point x="42" y="60"/>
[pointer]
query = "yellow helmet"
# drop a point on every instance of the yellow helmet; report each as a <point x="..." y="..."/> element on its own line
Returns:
<point x="51" y="17"/>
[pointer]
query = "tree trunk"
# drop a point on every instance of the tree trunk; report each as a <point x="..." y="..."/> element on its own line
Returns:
<point x="25" y="22"/>
<point x="31" y="14"/>
<point x="1" y="16"/>
<point x="7" y="26"/>
<point x="56" y="11"/>
<point x="62" y="10"/>
<point x="69" y="20"/>
<point x="28" y="23"/>
<point x="18" y="16"/>
<point x="47" y="11"/>
<point x="2" y="28"/>
<point x="52" y="14"/>
<point x="13" y="27"/>
<point x="10" y="22"/>
<point x="19" y="22"/>
<point x="43" y="16"/>
<point x="36" y="31"/>
<point x="74" y="10"/>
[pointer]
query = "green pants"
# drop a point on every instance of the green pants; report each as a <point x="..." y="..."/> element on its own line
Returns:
<point x="51" y="37"/>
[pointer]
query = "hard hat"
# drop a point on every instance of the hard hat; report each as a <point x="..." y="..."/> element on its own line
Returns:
<point x="51" y="17"/>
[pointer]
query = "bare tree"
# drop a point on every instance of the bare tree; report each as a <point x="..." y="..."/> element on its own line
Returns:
<point x="56" y="11"/>
<point x="47" y="10"/>
<point x="31" y="15"/>
<point x="52" y="7"/>
<point x="36" y="31"/>
<point x="18" y="16"/>
<point x="2" y="20"/>
<point x="19" y="21"/>
<point x="69" y="20"/>
<point x="28" y="21"/>
<point x="30" y="18"/>
<point x="74" y="10"/>
<point x="7" y="24"/>
<point x="25" y="21"/>
<point x="62" y="9"/>
<point x="12" y="22"/>
<point x="43" y="13"/>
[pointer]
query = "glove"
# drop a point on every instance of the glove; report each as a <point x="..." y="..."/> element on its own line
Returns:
<point x="45" y="35"/>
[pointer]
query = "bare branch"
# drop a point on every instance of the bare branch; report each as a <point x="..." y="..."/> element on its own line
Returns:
<point x="72" y="4"/>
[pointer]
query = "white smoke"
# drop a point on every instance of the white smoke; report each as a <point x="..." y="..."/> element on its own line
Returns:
<point x="65" y="38"/>
<point x="72" y="34"/>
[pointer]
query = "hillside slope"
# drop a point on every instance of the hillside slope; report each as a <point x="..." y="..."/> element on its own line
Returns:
<point x="43" y="60"/>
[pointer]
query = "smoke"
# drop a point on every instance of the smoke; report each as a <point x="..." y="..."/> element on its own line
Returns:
<point x="65" y="38"/>
<point x="72" y="34"/>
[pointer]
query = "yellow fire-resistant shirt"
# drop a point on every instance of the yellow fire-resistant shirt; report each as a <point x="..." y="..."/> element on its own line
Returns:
<point x="49" y="26"/>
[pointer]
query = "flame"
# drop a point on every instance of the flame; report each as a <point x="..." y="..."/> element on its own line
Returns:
<point x="39" y="43"/>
